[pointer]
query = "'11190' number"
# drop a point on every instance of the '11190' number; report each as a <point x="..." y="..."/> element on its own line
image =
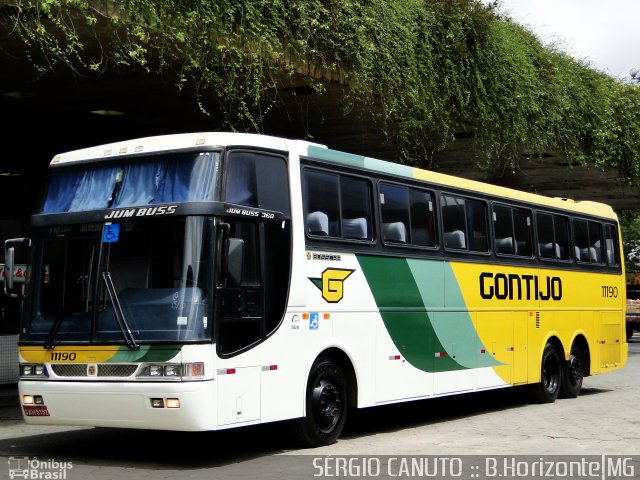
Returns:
<point x="609" y="292"/>
<point x="64" y="356"/>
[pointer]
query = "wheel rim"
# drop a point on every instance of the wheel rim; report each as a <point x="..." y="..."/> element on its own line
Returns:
<point x="551" y="373"/>
<point x="574" y="370"/>
<point x="327" y="405"/>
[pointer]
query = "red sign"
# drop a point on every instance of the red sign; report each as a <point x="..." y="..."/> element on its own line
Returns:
<point x="36" y="410"/>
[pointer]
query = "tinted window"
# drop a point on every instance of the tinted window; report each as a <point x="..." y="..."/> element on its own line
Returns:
<point x="503" y="230"/>
<point x="257" y="180"/>
<point x="322" y="201"/>
<point x="553" y="236"/>
<point x="355" y="196"/>
<point x="423" y="231"/>
<point x="611" y="245"/>
<point x="465" y="224"/>
<point x="523" y="231"/>
<point x="588" y="241"/>
<point x="337" y="206"/>
<point x="394" y="210"/>
<point x="407" y="215"/>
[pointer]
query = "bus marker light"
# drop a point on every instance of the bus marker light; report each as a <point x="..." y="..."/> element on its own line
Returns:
<point x="27" y="399"/>
<point x="305" y="316"/>
<point x="394" y="357"/>
<point x="173" y="403"/>
<point x="157" y="403"/>
<point x="193" y="370"/>
<point x="440" y="354"/>
<point x="326" y="316"/>
<point x="482" y="350"/>
<point x="510" y="349"/>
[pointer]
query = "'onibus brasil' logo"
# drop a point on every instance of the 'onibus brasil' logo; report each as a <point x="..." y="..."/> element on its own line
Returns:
<point x="332" y="283"/>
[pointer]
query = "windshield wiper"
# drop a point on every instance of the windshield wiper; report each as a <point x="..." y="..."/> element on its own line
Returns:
<point x="117" y="309"/>
<point x="53" y="333"/>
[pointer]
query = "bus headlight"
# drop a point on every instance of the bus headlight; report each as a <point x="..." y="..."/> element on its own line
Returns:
<point x="33" y="370"/>
<point x="172" y="371"/>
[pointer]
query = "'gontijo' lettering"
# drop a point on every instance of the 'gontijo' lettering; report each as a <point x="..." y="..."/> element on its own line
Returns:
<point x="519" y="287"/>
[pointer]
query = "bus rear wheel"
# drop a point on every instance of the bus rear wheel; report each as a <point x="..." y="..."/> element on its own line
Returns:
<point x="326" y="405"/>
<point x="573" y="374"/>
<point x="550" y="376"/>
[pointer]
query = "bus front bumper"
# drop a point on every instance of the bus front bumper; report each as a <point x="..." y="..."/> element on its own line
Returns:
<point x="185" y="406"/>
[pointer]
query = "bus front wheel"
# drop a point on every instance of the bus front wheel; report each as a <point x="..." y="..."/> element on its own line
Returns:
<point x="326" y="404"/>
<point x="550" y="376"/>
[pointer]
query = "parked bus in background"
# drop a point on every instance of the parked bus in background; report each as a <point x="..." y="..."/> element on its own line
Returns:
<point x="208" y="281"/>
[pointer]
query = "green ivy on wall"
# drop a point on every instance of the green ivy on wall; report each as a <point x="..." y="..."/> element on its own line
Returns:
<point x="424" y="69"/>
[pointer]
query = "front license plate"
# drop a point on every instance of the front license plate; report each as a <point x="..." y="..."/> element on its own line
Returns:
<point x="35" y="410"/>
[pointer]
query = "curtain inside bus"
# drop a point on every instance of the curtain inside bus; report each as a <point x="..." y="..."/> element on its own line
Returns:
<point x="181" y="178"/>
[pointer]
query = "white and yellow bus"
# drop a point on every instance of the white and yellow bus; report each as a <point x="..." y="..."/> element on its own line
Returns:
<point x="208" y="281"/>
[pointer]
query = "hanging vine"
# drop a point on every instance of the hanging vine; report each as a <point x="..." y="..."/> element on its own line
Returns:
<point x="424" y="69"/>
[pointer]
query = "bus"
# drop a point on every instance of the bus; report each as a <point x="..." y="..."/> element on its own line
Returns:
<point x="207" y="281"/>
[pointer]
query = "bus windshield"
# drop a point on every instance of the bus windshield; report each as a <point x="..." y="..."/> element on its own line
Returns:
<point x="125" y="283"/>
<point x="167" y="178"/>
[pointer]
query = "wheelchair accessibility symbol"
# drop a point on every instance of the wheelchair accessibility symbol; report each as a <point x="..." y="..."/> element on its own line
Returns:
<point x="313" y="321"/>
<point x="110" y="232"/>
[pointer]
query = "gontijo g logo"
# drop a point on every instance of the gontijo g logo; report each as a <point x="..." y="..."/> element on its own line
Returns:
<point x="332" y="283"/>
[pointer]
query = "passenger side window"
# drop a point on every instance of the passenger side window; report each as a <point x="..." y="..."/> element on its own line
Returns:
<point x="611" y="246"/>
<point x="464" y="223"/>
<point x="337" y="206"/>
<point x="407" y="215"/>
<point x="355" y="196"/>
<point x="588" y="241"/>
<point x="394" y="210"/>
<point x="553" y="237"/>
<point x="423" y="218"/>
<point x="512" y="228"/>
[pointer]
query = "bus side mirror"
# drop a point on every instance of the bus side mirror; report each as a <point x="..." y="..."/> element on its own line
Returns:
<point x="9" y="262"/>
<point x="234" y="261"/>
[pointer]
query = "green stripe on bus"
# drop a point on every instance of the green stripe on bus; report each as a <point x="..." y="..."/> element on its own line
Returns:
<point x="360" y="162"/>
<point x="419" y="285"/>
<point x="335" y="156"/>
<point x="404" y="314"/>
<point x="455" y="330"/>
<point x="388" y="167"/>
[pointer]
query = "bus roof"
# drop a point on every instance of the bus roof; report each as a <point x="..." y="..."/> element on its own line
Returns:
<point x="180" y="141"/>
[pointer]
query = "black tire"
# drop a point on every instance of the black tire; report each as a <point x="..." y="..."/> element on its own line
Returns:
<point x="551" y="369"/>
<point x="573" y="373"/>
<point x="326" y="405"/>
<point x="629" y="333"/>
